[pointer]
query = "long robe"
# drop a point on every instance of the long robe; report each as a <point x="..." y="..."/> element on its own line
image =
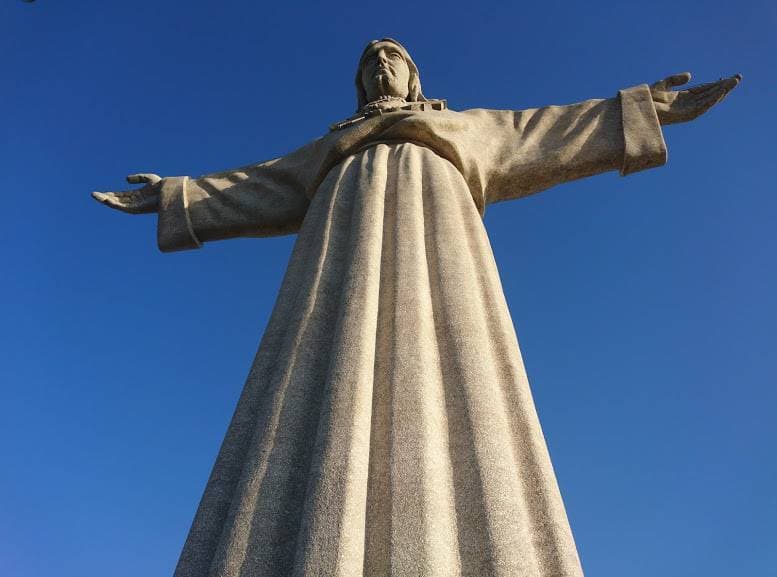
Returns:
<point x="386" y="427"/>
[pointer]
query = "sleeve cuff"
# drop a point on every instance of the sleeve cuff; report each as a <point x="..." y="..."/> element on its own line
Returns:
<point x="174" y="229"/>
<point x="644" y="142"/>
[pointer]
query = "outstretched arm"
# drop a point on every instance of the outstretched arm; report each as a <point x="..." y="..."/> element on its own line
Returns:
<point x="539" y="148"/>
<point x="266" y="199"/>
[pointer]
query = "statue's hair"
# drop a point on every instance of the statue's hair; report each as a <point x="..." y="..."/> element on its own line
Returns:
<point x="414" y="83"/>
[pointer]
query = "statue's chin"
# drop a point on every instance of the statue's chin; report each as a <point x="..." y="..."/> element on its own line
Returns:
<point x="385" y="88"/>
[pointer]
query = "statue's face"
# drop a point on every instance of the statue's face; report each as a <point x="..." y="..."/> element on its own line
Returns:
<point x="384" y="72"/>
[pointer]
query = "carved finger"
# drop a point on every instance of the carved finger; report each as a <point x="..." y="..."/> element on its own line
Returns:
<point x="702" y="101"/>
<point x="732" y="82"/>
<point x="143" y="178"/>
<point x="713" y="97"/>
<point x="112" y="199"/>
<point x="103" y="197"/>
<point x="711" y="94"/>
<point x="677" y="79"/>
<point x="131" y="201"/>
<point x="705" y="88"/>
<point x="671" y="81"/>
<point x="726" y="84"/>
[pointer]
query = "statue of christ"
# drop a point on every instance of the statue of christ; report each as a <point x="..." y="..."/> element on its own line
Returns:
<point x="386" y="427"/>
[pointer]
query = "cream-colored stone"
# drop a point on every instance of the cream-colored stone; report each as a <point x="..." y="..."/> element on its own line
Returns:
<point x="386" y="426"/>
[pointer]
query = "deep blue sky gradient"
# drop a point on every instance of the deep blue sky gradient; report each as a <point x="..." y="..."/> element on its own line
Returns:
<point x="645" y="305"/>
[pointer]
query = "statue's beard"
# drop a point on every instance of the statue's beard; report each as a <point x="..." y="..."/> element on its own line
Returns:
<point x="386" y="87"/>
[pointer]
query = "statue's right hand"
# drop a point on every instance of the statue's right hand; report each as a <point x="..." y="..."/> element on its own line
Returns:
<point x="139" y="201"/>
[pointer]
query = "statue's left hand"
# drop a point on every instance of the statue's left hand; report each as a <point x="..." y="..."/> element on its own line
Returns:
<point x="683" y="105"/>
<point x="139" y="201"/>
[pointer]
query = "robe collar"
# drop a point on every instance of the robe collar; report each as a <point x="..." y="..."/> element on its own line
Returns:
<point x="371" y="110"/>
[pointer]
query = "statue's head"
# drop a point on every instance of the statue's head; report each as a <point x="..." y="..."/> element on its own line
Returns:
<point x="386" y="70"/>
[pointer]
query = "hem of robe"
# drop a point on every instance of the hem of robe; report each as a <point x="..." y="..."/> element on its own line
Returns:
<point x="644" y="145"/>
<point x="175" y="230"/>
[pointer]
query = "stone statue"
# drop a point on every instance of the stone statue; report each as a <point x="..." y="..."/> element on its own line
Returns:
<point x="386" y="426"/>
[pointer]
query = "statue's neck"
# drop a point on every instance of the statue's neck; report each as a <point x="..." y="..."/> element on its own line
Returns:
<point x="383" y="103"/>
<point x="383" y="106"/>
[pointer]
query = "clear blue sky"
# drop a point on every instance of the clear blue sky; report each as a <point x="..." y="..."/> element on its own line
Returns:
<point x="645" y="305"/>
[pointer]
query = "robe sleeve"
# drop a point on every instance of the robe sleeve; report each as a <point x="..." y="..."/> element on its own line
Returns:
<point x="266" y="199"/>
<point x="531" y="150"/>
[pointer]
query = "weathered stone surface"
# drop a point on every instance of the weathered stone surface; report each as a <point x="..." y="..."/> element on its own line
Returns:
<point x="386" y="426"/>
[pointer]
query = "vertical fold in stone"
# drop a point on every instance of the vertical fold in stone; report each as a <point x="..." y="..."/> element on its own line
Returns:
<point x="332" y="533"/>
<point x="244" y="523"/>
<point x="553" y="541"/>
<point x="553" y="551"/>
<point x="424" y="538"/>
<point x="378" y="527"/>
<point x="492" y="479"/>
<point x="264" y="518"/>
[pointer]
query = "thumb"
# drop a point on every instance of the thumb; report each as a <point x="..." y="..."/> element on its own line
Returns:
<point x="677" y="79"/>
<point x="671" y="81"/>
<point x="143" y="178"/>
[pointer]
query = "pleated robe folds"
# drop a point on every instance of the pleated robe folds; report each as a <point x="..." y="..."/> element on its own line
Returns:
<point x="386" y="427"/>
